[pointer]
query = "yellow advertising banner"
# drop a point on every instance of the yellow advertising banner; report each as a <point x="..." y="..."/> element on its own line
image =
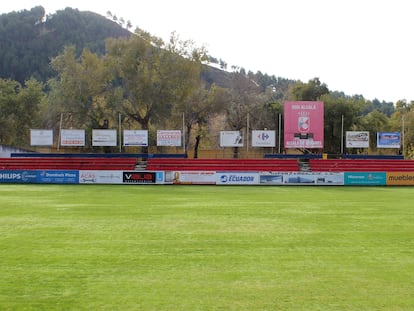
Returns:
<point x="400" y="179"/>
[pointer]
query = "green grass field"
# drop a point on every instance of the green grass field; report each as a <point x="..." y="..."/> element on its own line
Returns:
<point x="105" y="247"/>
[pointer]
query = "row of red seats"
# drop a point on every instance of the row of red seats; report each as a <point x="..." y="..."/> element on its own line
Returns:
<point x="269" y="165"/>
<point x="70" y="163"/>
<point x="361" y="165"/>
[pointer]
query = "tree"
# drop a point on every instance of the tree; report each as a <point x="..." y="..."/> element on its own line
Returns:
<point x="312" y="91"/>
<point x="149" y="77"/>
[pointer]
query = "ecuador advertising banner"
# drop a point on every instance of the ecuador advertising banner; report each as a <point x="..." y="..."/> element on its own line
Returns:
<point x="400" y="179"/>
<point x="303" y="124"/>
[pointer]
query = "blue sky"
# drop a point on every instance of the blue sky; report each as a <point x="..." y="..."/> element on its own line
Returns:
<point x="355" y="46"/>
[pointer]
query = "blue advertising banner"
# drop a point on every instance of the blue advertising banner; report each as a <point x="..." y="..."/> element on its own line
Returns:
<point x="58" y="177"/>
<point x="365" y="179"/>
<point x="388" y="140"/>
<point x="18" y="176"/>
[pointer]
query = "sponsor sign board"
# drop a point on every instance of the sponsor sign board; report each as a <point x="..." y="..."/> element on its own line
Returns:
<point x="400" y="179"/>
<point x="231" y="139"/>
<point x="303" y="124"/>
<point x="72" y="137"/>
<point x="106" y="138"/>
<point x="313" y="178"/>
<point x="365" y="178"/>
<point x="135" y="138"/>
<point x="231" y="178"/>
<point x="388" y="140"/>
<point x="263" y="138"/>
<point x="18" y="176"/>
<point x="195" y="177"/>
<point x="355" y="139"/>
<point x="41" y="137"/>
<point x="169" y="138"/>
<point x="100" y="177"/>
<point x="135" y="177"/>
<point x="57" y="177"/>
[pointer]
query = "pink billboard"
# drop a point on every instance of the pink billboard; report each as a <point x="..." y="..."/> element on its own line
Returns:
<point x="303" y="124"/>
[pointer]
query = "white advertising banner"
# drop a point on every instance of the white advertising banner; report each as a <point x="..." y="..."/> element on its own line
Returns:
<point x="72" y="137"/>
<point x="231" y="139"/>
<point x="104" y="138"/>
<point x="264" y="138"/>
<point x="195" y="177"/>
<point x="136" y="138"/>
<point x="100" y="177"/>
<point x="169" y="138"/>
<point x="355" y="139"/>
<point x="41" y="137"/>
<point x="234" y="178"/>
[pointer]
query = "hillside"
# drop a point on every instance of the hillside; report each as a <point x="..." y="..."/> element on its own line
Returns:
<point x="29" y="39"/>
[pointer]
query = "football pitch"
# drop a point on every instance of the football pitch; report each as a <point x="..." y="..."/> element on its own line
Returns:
<point x="107" y="247"/>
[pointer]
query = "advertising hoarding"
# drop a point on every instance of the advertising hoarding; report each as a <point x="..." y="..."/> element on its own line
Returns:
<point x="104" y="138"/>
<point x="231" y="139"/>
<point x="72" y="137"/>
<point x="355" y="139"/>
<point x="136" y="138"/>
<point x="234" y="178"/>
<point x="169" y="138"/>
<point x="303" y="124"/>
<point x="388" y="140"/>
<point x="41" y="137"/>
<point x="263" y="138"/>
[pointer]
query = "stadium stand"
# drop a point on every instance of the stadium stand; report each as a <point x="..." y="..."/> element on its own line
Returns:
<point x="259" y="165"/>
<point x="67" y="163"/>
<point x="361" y="165"/>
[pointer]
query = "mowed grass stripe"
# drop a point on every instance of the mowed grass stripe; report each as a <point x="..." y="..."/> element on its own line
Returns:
<point x="77" y="247"/>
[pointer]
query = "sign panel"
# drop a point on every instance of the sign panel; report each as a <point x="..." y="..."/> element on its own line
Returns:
<point x="106" y="138"/>
<point x="136" y="138"/>
<point x="388" y="140"/>
<point x="263" y="138"/>
<point x="355" y="139"/>
<point x="18" y="176"/>
<point x="195" y="177"/>
<point x="72" y="137"/>
<point x="139" y="177"/>
<point x="58" y="177"/>
<point x="231" y="139"/>
<point x="169" y="138"/>
<point x="400" y="179"/>
<point x="41" y="137"/>
<point x="303" y="124"/>
<point x="365" y="178"/>
<point x="100" y="177"/>
<point x="237" y="178"/>
<point x="313" y="178"/>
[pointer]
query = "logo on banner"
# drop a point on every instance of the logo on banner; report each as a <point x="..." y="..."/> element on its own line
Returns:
<point x="304" y="123"/>
<point x="263" y="136"/>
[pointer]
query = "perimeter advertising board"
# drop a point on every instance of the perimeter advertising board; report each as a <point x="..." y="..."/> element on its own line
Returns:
<point x="303" y="124"/>
<point x="18" y="176"/>
<point x="302" y="178"/>
<point x="194" y="177"/>
<point x="400" y="179"/>
<point x="365" y="178"/>
<point x="233" y="178"/>
<point x="100" y="177"/>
